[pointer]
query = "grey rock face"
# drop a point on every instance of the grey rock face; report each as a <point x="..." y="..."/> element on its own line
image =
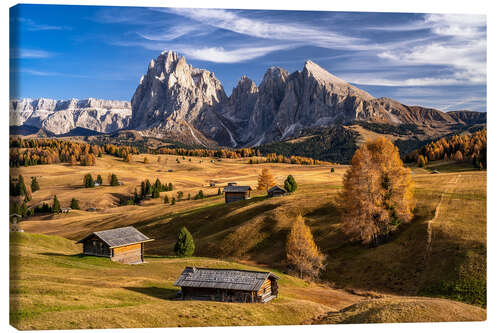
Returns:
<point x="176" y="101"/>
<point x="61" y="116"/>
<point x="181" y="103"/>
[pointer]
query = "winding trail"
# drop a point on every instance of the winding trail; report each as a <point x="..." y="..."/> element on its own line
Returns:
<point x="450" y="187"/>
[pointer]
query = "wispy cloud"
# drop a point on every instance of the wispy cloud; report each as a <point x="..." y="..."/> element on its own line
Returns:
<point x="21" y="53"/>
<point x="176" y="32"/>
<point x="462" y="46"/>
<point x="34" y="26"/>
<point x="221" y="55"/>
<point x="37" y="72"/>
<point x="284" y="31"/>
<point x="212" y="54"/>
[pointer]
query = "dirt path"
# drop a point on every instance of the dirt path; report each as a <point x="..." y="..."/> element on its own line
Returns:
<point x="450" y="187"/>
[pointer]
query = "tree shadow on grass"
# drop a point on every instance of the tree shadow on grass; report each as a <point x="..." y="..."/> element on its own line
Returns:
<point x="161" y="293"/>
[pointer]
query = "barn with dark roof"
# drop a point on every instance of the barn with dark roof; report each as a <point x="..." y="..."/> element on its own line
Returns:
<point x="236" y="193"/>
<point x="276" y="191"/>
<point x="227" y="285"/>
<point x="125" y="245"/>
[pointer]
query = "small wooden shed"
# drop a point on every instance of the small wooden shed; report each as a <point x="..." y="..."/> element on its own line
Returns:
<point x="236" y="193"/>
<point x="124" y="245"/>
<point x="276" y="191"/>
<point x="227" y="285"/>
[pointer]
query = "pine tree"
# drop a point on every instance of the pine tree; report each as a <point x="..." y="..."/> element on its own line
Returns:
<point x="265" y="180"/>
<point x="74" y="204"/>
<point x="184" y="247"/>
<point x="173" y="201"/>
<point x="170" y="187"/>
<point x="378" y="193"/>
<point x="165" y="200"/>
<point x="219" y="191"/>
<point x="56" y="206"/>
<point x="99" y="179"/>
<point x="137" y="199"/>
<point x="180" y="194"/>
<point x="332" y="170"/>
<point x="156" y="193"/>
<point x="114" y="180"/>
<point x="148" y="188"/>
<point x="34" y="184"/>
<point x="157" y="184"/>
<point x="301" y="250"/>
<point x="189" y="196"/>
<point x="21" y="187"/>
<point x="88" y="181"/>
<point x="290" y="184"/>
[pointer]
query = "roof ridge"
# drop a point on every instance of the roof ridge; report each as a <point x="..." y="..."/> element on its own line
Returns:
<point x="227" y="269"/>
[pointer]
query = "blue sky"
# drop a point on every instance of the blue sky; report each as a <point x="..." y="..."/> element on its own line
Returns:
<point x="431" y="60"/>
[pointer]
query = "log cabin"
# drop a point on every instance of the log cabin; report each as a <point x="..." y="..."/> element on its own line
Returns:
<point x="276" y="191"/>
<point x="124" y="245"/>
<point x="227" y="285"/>
<point x="236" y="193"/>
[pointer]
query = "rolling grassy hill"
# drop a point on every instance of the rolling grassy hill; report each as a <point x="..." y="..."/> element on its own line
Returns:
<point x="403" y="310"/>
<point x="442" y="253"/>
<point x="53" y="287"/>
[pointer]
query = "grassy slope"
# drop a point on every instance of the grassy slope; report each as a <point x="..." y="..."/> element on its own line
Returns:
<point x="52" y="287"/>
<point x="403" y="310"/>
<point x="255" y="231"/>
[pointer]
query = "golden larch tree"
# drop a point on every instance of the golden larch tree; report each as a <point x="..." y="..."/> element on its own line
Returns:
<point x="301" y="250"/>
<point x="378" y="193"/>
<point x="265" y="180"/>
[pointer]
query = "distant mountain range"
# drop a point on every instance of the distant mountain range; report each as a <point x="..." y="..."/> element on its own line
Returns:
<point x="175" y="101"/>
<point x="63" y="116"/>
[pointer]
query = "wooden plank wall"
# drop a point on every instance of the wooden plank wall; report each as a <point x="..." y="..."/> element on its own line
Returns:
<point x="128" y="254"/>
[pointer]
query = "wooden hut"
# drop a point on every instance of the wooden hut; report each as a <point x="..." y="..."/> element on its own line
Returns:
<point x="276" y="191"/>
<point x="236" y="193"/>
<point x="227" y="285"/>
<point x="125" y="245"/>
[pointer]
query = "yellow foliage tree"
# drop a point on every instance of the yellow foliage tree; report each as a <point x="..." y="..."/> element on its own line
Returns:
<point x="301" y="250"/>
<point x="266" y="180"/>
<point x="421" y="161"/>
<point x="378" y="193"/>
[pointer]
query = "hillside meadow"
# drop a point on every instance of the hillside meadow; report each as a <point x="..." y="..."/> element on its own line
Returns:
<point x="441" y="253"/>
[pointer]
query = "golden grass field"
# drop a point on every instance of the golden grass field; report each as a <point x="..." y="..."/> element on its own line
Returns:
<point x="442" y="253"/>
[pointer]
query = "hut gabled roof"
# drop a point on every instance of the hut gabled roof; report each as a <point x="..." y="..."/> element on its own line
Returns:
<point x="276" y="188"/>
<point x="237" y="189"/>
<point x="234" y="279"/>
<point x="119" y="237"/>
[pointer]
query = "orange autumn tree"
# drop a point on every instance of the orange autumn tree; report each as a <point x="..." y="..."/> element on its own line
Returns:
<point x="378" y="193"/>
<point x="266" y="180"/>
<point x="301" y="250"/>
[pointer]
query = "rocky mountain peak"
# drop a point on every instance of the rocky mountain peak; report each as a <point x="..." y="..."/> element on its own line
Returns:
<point x="173" y="96"/>
<point x="245" y="85"/>
<point x="274" y="75"/>
<point x="313" y="69"/>
<point x="332" y="82"/>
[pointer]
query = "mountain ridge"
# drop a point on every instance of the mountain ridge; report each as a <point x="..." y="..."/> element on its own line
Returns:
<point x="176" y="101"/>
<point x="62" y="116"/>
